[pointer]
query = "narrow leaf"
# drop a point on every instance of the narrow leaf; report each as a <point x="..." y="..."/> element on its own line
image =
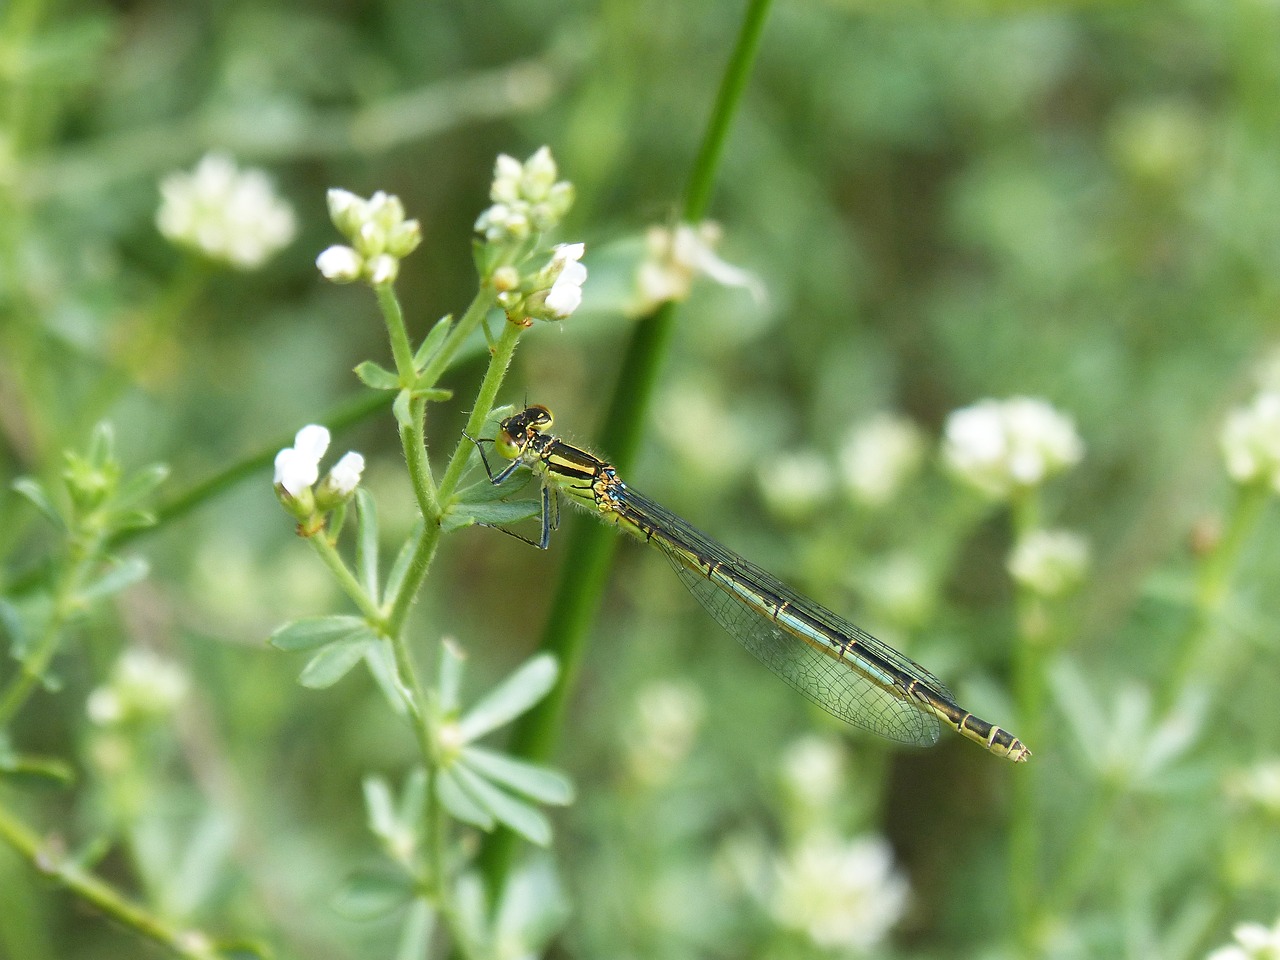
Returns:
<point x="369" y="894"/>
<point x="416" y="931"/>
<point x="377" y="377"/>
<point x="34" y="491"/>
<point x="121" y="575"/>
<point x="482" y="491"/>
<point x="379" y="807"/>
<point x="311" y="632"/>
<point x="332" y="663"/>
<point x="432" y="341"/>
<point x="36" y="771"/>
<point x="459" y="802"/>
<point x="141" y="484"/>
<point x="532" y="780"/>
<point x="449" y="678"/>
<point x="516" y="814"/>
<point x="367" y="541"/>
<point x="400" y="409"/>
<point x="512" y="697"/>
<point x="494" y="514"/>
<point x="395" y="579"/>
<point x="382" y="666"/>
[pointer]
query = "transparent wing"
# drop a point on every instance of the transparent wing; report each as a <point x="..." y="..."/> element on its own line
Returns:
<point x="833" y="684"/>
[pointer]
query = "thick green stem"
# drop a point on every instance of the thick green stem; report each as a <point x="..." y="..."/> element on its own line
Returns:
<point x="586" y="565"/>
<point x="191" y="944"/>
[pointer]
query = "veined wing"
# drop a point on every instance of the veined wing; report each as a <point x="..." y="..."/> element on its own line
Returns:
<point x="834" y="663"/>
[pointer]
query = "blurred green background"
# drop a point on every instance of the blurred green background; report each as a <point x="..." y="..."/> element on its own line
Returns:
<point x="945" y="200"/>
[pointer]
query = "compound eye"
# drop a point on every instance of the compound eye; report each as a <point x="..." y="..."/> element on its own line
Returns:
<point x="508" y="446"/>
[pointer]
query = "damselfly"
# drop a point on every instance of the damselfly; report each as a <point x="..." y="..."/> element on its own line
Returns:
<point x="837" y="665"/>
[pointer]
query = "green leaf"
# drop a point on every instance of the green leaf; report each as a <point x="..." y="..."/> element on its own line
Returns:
<point x="416" y="931"/>
<point x="432" y="341"/>
<point x="497" y="514"/>
<point x="449" y="677"/>
<point x="311" y="632"/>
<point x="400" y="409"/>
<point x="413" y="797"/>
<point x="459" y="802"/>
<point x="34" y="491"/>
<point x="205" y="852"/>
<point x="380" y="807"/>
<point x="123" y="574"/>
<point x="367" y="541"/>
<point x="532" y="780"/>
<point x="369" y="894"/>
<point x="524" y="819"/>
<point x="377" y="377"/>
<point x="395" y="578"/>
<point x="512" y="697"/>
<point x="380" y="660"/>
<point x="332" y="663"/>
<point x="24" y="769"/>
<point x="431" y="394"/>
<point x="139" y="485"/>
<point x="482" y="491"/>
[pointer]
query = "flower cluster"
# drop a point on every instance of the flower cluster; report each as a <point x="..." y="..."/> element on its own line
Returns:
<point x="380" y="238"/>
<point x="675" y="256"/>
<point x="843" y="895"/>
<point x="1049" y="562"/>
<point x="229" y="215"/>
<point x="142" y="685"/>
<point x="527" y="198"/>
<point x="662" y="729"/>
<point x="1000" y="447"/>
<point x="1253" y="942"/>
<point x="1251" y="441"/>
<point x="879" y="456"/>
<point x="552" y="293"/>
<point x="298" y="469"/>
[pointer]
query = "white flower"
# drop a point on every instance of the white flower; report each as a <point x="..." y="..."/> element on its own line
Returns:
<point x="813" y="770"/>
<point x="1253" y="942"/>
<point x="380" y="238"/>
<point x="879" y="456"/>
<point x="1251" y="441"/>
<point x="795" y="483"/>
<point x="298" y="467"/>
<point x="1049" y="562"/>
<point x="842" y="895"/>
<point x="664" y="726"/>
<point x="345" y="475"/>
<point x="1258" y="785"/>
<point x="675" y="257"/>
<point x="565" y="295"/>
<point x="1000" y="446"/>
<point x="340" y="264"/>
<point x="526" y="198"/>
<point x="142" y="684"/>
<point x="225" y="213"/>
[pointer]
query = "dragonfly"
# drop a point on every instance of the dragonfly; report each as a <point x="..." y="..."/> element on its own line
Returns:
<point x="832" y="662"/>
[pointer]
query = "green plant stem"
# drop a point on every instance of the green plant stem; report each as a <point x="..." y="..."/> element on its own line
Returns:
<point x="1213" y="585"/>
<point x="586" y="565"/>
<point x="499" y="362"/>
<point x="476" y="311"/>
<point x="328" y="553"/>
<point x="1028" y="681"/>
<point x="190" y="944"/>
<point x="393" y="317"/>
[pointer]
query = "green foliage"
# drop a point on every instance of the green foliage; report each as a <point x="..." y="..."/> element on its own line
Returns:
<point x="944" y="201"/>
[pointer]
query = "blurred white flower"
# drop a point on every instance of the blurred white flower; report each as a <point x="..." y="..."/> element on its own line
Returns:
<point x="340" y="264"/>
<point x="843" y="895"/>
<point x="298" y="467"/>
<point x="227" y="214"/>
<point x="899" y="586"/>
<point x="1258" y="785"/>
<point x="665" y="723"/>
<point x="1049" y="562"/>
<point x="813" y="770"/>
<point x="1251" y="441"/>
<point x="878" y="456"/>
<point x="1000" y="446"/>
<point x="793" y="484"/>
<point x="141" y="685"/>
<point x="526" y="197"/>
<point x="1253" y="942"/>
<point x="674" y="257"/>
